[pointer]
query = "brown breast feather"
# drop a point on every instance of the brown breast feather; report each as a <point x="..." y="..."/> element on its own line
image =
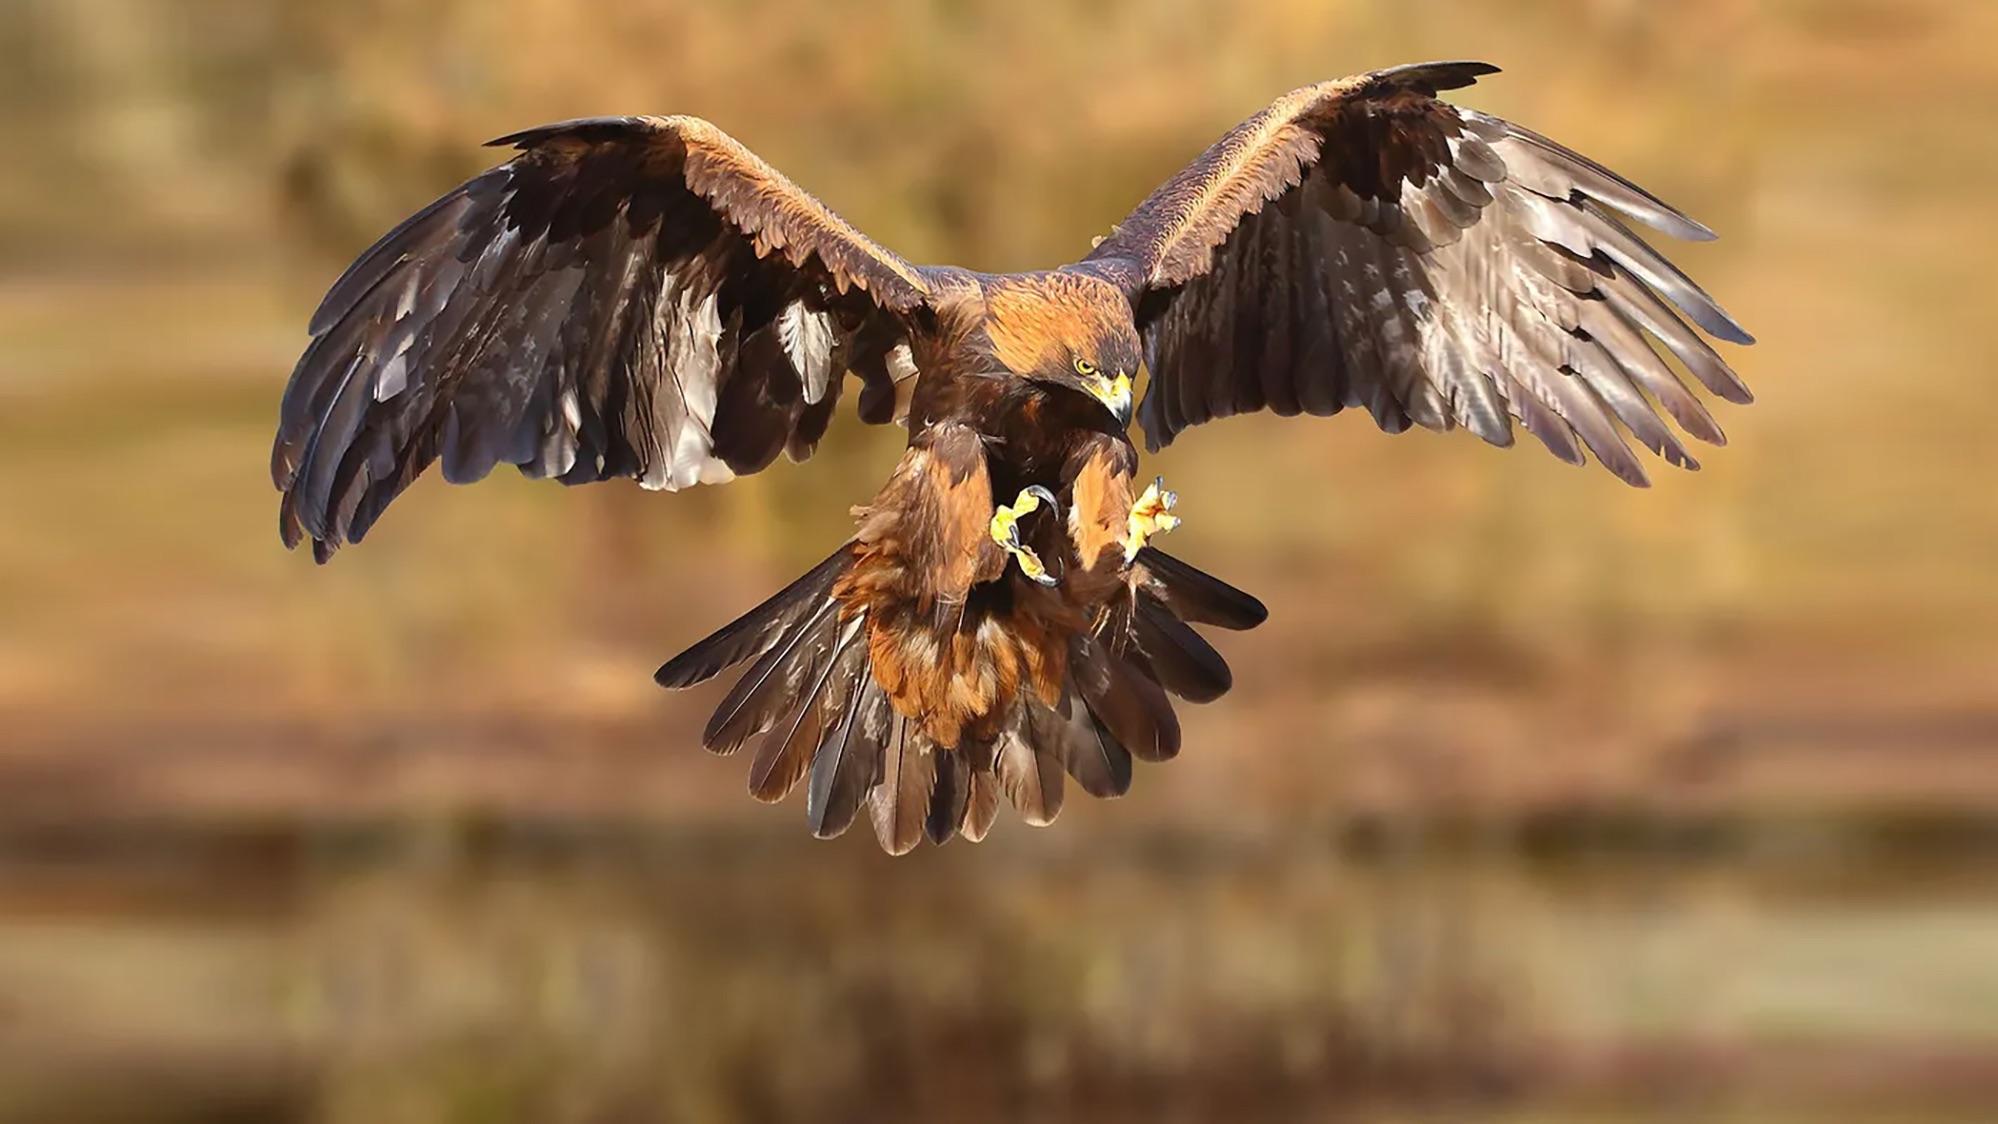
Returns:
<point x="922" y="545"/>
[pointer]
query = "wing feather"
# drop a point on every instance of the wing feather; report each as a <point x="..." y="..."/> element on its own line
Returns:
<point x="1361" y="243"/>
<point x="595" y="307"/>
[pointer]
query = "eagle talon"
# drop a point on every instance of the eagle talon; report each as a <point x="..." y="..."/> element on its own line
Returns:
<point x="1151" y="515"/>
<point x="1006" y="531"/>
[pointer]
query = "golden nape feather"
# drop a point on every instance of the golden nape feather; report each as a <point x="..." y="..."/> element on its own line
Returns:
<point x="643" y="297"/>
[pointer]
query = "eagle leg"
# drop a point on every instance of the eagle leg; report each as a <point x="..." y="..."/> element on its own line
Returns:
<point x="1151" y="515"/>
<point x="1006" y="530"/>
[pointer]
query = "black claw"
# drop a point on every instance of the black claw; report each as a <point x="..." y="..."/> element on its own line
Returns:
<point x="1043" y="495"/>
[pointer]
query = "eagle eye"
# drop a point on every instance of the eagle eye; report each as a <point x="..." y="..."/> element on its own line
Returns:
<point x="1084" y="368"/>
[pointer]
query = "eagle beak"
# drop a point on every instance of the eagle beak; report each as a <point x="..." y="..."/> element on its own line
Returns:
<point x="1114" y="394"/>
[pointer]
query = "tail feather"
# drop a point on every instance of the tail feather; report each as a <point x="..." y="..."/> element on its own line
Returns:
<point x="983" y="807"/>
<point x="1124" y="698"/>
<point x="834" y="679"/>
<point x="1092" y="757"/>
<point x="760" y="697"/>
<point x="757" y="631"/>
<point x="950" y="797"/>
<point x="1029" y="769"/>
<point x="848" y="762"/>
<point x="1179" y="658"/>
<point x="1198" y="597"/>
<point x="899" y="803"/>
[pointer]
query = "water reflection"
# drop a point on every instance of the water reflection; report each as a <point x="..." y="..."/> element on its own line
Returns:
<point x="530" y="974"/>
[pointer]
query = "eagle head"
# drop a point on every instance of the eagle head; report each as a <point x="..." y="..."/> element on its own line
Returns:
<point x="1109" y="384"/>
<point x="1072" y="332"/>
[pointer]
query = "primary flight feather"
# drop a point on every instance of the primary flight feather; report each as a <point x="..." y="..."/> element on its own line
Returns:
<point x="643" y="297"/>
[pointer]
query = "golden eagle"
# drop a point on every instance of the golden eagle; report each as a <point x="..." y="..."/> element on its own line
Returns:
<point x="643" y="297"/>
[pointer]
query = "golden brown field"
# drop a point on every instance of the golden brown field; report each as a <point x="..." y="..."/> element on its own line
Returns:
<point x="1537" y="799"/>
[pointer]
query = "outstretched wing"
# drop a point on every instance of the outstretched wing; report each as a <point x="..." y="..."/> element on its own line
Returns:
<point x="629" y="296"/>
<point x="1360" y="243"/>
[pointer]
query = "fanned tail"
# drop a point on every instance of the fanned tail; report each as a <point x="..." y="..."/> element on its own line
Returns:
<point x="810" y="702"/>
<point x="808" y="695"/>
<point x="1114" y="707"/>
<point x="757" y="631"/>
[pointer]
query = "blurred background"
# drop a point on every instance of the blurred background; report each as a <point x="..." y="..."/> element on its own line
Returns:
<point x="1538" y="798"/>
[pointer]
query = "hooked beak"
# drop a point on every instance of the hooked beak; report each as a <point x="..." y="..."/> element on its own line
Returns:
<point x="1114" y="394"/>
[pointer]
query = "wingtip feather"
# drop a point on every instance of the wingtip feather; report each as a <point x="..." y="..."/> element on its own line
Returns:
<point x="1435" y="76"/>
<point x="1729" y="329"/>
<point x="584" y="127"/>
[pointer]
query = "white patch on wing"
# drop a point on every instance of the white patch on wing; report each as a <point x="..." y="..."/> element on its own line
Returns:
<point x="1476" y="157"/>
<point x="394" y="375"/>
<point x="558" y="451"/>
<point x="496" y="254"/>
<point x="684" y="407"/>
<point x="807" y="337"/>
<point x="901" y="363"/>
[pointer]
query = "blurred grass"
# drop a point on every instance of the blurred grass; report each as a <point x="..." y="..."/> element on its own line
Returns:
<point x="551" y="975"/>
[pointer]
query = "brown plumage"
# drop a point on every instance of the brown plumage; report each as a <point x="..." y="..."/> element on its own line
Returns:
<point x="643" y="297"/>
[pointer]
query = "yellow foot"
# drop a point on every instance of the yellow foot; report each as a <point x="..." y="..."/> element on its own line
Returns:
<point x="1150" y="515"/>
<point x="1006" y="531"/>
